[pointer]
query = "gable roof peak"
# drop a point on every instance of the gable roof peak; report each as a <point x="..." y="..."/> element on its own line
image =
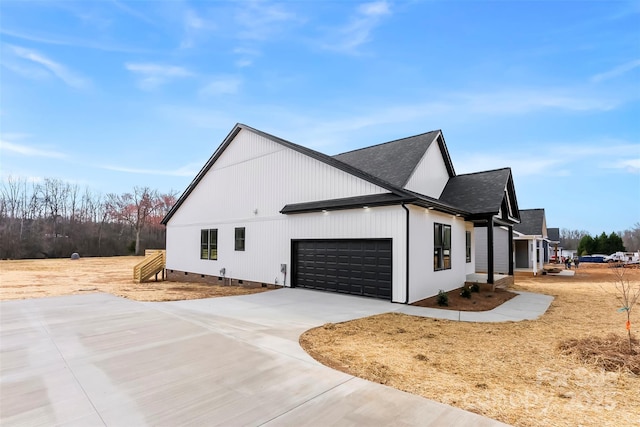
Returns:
<point x="435" y="132"/>
<point x="395" y="161"/>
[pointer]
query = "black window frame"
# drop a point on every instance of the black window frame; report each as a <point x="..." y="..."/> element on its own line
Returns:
<point x="468" y="245"/>
<point x="441" y="246"/>
<point x="239" y="238"/>
<point x="209" y="243"/>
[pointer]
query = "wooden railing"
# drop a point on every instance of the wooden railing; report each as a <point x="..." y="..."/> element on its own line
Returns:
<point x="153" y="263"/>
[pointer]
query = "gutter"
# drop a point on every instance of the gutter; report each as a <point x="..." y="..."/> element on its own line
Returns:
<point x="406" y="301"/>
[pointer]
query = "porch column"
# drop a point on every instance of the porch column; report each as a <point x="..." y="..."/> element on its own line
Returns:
<point x="490" y="259"/>
<point x="534" y="255"/>
<point x="511" y="254"/>
<point x="542" y="257"/>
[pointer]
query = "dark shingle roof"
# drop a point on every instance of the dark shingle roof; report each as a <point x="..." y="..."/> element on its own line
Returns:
<point x="531" y="222"/>
<point x="389" y="166"/>
<point x="478" y="193"/>
<point x="384" y="199"/>
<point x="553" y="234"/>
<point x="393" y="161"/>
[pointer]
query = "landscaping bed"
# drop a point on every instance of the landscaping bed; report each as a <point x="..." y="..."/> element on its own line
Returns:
<point x="482" y="300"/>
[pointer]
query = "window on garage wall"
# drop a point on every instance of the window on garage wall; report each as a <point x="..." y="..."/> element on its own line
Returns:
<point x="209" y="244"/>
<point x="441" y="246"/>
<point x="239" y="243"/>
<point x="468" y="248"/>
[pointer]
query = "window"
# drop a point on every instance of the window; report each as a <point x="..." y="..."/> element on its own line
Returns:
<point x="209" y="244"/>
<point x="441" y="247"/>
<point x="468" y="235"/>
<point x="240" y="239"/>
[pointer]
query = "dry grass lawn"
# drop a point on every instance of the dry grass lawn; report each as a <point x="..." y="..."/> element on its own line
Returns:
<point x="21" y="279"/>
<point x="514" y="372"/>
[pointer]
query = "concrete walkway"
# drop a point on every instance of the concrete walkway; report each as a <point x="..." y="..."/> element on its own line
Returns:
<point x="525" y="306"/>
<point x="101" y="360"/>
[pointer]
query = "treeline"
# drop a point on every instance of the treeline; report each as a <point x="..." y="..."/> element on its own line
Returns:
<point x="601" y="244"/>
<point x="53" y="219"/>
<point x="627" y="240"/>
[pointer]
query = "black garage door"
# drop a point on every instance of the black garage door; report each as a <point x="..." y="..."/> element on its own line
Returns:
<point x="357" y="267"/>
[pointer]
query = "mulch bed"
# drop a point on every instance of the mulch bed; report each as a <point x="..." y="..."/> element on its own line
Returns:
<point x="479" y="301"/>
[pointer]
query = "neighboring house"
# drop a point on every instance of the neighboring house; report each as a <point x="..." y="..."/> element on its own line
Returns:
<point x="555" y="250"/>
<point x="392" y="221"/>
<point x="531" y="241"/>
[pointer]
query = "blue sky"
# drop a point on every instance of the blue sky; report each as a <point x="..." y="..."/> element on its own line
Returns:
<point x="114" y="94"/>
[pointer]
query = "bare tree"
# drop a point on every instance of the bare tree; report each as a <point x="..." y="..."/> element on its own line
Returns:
<point x="54" y="218"/>
<point x="569" y="239"/>
<point x="631" y="237"/>
<point x="135" y="209"/>
<point x="628" y="295"/>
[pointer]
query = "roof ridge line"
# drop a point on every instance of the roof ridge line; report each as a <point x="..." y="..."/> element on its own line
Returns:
<point x="490" y="170"/>
<point x="388" y="142"/>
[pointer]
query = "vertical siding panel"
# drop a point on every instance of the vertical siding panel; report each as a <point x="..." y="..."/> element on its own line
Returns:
<point x="256" y="173"/>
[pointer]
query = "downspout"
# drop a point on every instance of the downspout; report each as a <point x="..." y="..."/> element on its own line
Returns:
<point x="406" y="301"/>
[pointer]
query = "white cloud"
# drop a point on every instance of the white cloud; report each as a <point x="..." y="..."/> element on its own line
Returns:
<point x="374" y="9"/>
<point x="246" y="56"/>
<point x="194" y="26"/>
<point x="154" y="75"/>
<point x="26" y="150"/>
<point x="521" y="165"/>
<point x="221" y="86"/>
<point x="556" y="158"/>
<point x="455" y="108"/>
<point x="58" y="70"/>
<point x="629" y="165"/>
<point x="244" y="62"/>
<point x="514" y="101"/>
<point x="199" y="117"/>
<point x="617" y="71"/>
<point x="358" y="31"/>
<point x="261" y="21"/>
<point x="85" y="43"/>
<point x="187" y="170"/>
<point x="25" y="70"/>
<point x="132" y="12"/>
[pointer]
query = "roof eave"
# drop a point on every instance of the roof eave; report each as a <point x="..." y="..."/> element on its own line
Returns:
<point x="303" y="150"/>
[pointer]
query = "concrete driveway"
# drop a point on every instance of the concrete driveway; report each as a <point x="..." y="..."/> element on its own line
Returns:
<point x="96" y="359"/>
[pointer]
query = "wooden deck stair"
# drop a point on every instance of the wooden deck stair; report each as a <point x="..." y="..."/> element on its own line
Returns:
<point x="153" y="263"/>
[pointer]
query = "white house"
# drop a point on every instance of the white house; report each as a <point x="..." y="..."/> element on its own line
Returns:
<point x="531" y="241"/>
<point x="532" y="244"/>
<point x="392" y="221"/>
<point x="555" y="249"/>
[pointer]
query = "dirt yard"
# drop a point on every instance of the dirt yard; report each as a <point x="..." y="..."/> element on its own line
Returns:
<point x="513" y="372"/>
<point x="23" y="279"/>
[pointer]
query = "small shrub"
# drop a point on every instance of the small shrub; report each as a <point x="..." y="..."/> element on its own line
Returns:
<point x="465" y="293"/>
<point x="443" y="298"/>
<point x="474" y="288"/>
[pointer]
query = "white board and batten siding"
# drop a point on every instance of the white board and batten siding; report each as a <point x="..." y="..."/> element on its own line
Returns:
<point x="431" y="175"/>
<point x="500" y="250"/>
<point x="424" y="280"/>
<point x="252" y="180"/>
